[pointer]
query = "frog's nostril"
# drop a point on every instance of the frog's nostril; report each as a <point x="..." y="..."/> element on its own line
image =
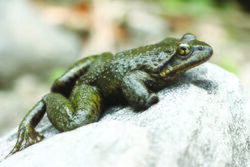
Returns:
<point x="200" y="48"/>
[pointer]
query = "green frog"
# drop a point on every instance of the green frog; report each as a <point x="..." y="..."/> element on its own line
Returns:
<point x="82" y="93"/>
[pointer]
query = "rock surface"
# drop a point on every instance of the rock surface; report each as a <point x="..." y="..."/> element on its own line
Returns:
<point x="202" y="120"/>
<point x="30" y="44"/>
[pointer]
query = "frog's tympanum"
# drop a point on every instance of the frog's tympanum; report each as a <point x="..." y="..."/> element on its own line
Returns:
<point x="93" y="83"/>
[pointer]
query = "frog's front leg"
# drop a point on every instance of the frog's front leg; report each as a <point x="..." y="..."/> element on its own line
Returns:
<point x="134" y="87"/>
<point x="83" y="107"/>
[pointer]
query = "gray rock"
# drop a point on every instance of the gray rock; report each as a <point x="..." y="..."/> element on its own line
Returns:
<point x="29" y="44"/>
<point x="202" y="120"/>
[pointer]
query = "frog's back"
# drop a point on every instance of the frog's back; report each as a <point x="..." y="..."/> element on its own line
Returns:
<point x="96" y="68"/>
<point x="110" y="67"/>
<point x="146" y="58"/>
<point x="148" y="50"/>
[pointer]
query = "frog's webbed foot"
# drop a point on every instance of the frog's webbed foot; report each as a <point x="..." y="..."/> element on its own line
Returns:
<point x="153" y="99"/>
<point x="141" y="103"/>
<point x="27" y="136"/>
<point x="136" y="92"/>
<point x="26" y="131"/>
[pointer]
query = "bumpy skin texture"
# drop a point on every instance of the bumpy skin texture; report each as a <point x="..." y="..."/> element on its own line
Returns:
<point x="79" y="96"/>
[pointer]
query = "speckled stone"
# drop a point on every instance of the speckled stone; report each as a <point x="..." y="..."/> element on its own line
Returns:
<point x="202" y="120"/>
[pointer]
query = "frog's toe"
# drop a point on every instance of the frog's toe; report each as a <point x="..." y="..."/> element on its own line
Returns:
<point x="34" y="138"/>
<point x="26" y="138"/>
<point x="39" y="137"/>
<point x="143" y="104"/>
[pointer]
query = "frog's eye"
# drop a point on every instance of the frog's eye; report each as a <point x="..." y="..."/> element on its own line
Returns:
<point x="183" y="50"/>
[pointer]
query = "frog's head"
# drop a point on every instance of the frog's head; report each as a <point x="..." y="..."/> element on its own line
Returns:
<point x="189" y="52"/>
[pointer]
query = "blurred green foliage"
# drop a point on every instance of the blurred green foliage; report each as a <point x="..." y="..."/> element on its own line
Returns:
<point x="190" y="7"/>
<point x="57" y="72"/>
<point x="230" y="65"/>
<point x="194" y="7"/>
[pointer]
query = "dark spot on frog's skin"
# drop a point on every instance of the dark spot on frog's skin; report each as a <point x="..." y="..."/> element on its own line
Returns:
<point x="137" y="61"/>
<point x="161" y="59"/>
<point x="169" y="51"/>
<point x="156" y="64"/>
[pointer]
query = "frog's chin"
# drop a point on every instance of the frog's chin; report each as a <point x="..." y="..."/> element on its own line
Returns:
<point x="171" y="73"/>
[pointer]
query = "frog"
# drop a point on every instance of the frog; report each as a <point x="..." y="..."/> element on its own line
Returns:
<point x="81" y="94"/>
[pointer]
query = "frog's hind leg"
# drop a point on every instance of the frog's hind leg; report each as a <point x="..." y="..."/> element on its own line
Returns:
<point x="65" y="83"/>
<point x="26" y="131"/>
<point x="83" y="107"/>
